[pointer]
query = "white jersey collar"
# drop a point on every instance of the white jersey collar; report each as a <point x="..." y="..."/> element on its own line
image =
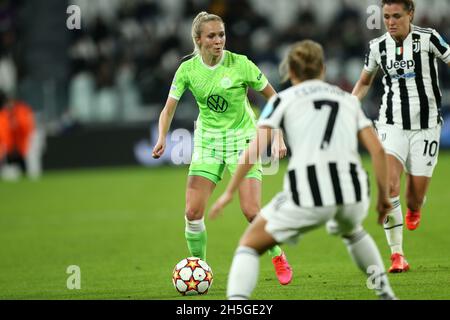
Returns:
<point x="409" y="34"/>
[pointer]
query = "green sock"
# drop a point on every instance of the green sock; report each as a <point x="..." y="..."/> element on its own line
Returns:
<point x="197" y="244"/>
<point x="275" y="251"/>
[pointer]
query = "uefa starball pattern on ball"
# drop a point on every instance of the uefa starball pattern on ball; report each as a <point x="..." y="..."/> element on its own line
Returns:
<point x="192" y="276"/>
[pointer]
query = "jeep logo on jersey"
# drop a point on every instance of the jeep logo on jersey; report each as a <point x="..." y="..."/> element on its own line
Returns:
<point x="403" y="64"/>
<point x="217" y="104"/>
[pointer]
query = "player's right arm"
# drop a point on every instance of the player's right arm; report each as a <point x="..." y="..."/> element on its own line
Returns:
<point x="367" y="74"/>
<point x="179" y="85"/>
<point x="165" y="119"/>
<point x="369" y="139"/>
<point x="363" y="85"/>
<point x="270" y="119"/>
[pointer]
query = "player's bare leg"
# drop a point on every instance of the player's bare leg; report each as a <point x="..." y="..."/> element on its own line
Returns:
<point x="393" y="225"/>
<point x="250" y="199"/>
<point x="245" y="267"/>
<point x="416" y="189"/>
<point x="198" y="191"/>
<point x="256" y="236"/>
<point x="395" y="173"/>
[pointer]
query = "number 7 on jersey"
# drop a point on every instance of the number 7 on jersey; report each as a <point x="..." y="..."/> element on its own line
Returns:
<point x="331" y="120"/>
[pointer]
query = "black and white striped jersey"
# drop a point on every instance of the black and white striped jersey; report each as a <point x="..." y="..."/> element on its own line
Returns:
<point x="412" y="98"/>
<point x="321" y="123"/>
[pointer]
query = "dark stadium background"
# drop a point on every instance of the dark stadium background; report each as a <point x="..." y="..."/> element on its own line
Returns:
<point x="97" y="91"/>
<point x="103" y="204"/>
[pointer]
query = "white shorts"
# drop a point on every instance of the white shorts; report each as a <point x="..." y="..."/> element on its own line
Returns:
<point x="286" y="221"/>
<point x="417" y="150"/>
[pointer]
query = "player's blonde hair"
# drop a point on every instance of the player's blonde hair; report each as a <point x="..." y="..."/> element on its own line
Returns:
<point x="196" y="30"/>
<point x="305" y="59"/>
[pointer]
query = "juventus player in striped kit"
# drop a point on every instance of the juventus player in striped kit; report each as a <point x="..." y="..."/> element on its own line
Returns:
<point x="325" y="182"/>
<point x="409" y="122"/>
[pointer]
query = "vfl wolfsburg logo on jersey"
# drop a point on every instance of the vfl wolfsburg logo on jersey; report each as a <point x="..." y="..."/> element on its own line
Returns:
<point x="217" y="104"/>
<point x="226" y="83"/>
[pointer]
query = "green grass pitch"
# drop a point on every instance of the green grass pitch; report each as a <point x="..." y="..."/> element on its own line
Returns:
<point x="124" y="228"/>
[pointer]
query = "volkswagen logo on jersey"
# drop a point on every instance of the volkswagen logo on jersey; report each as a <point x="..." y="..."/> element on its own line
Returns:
<point x="217" y="104"/>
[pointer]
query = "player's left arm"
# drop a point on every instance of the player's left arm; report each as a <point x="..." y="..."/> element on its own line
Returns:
<point x="268" y="91"/>
<point x="246" y="162"/>
<point x="440" y="47"/>
<point x="369" y="139"/>
<point x="278" y="147"/>
<point x="258" y="81"/>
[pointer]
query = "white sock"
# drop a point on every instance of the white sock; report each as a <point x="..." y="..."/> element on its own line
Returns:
<point x="243" y="273"/>
<point x="393" y="227"/>
<point x="195" y="226"/>
<point x="366" y="256"/>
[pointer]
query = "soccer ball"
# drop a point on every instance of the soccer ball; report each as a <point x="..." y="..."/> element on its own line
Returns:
<point x="192" y="276"/>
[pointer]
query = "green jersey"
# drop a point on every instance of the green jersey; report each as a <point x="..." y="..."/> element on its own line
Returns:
<point x="220" y="91"/>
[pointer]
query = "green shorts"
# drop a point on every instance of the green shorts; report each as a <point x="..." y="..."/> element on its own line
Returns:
<point x="209" y="161"/>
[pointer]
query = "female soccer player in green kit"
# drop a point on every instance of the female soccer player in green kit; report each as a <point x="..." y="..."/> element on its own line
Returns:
<point x="219" y="80"/>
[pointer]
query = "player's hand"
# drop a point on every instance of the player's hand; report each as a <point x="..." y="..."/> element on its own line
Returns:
<point x="279" y="149"/>
<point x="383" y="208"/>
<point x="159" y="149"/>
<point x="219" y="205"/>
